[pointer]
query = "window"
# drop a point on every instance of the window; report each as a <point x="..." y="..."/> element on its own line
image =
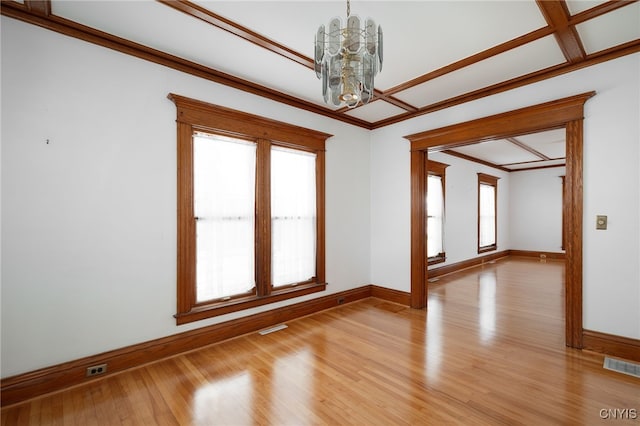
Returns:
<point x="435" y="211"/>
<point x="293" y="216"/>
<point x="224" y="205"/>
<point x="487" y="212"/>
<point x="250" y="210"/>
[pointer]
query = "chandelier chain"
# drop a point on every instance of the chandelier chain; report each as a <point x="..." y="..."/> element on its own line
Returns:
<point x="348" y="8"/>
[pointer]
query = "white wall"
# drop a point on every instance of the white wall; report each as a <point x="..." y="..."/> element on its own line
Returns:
<point x="89" y="219"/>
<point x="529" y="209"/>
<point x="611" y="173"/>
<point x="535" y="220"/>
<point x="461" y="224"/>
<point x="611" y="275"/>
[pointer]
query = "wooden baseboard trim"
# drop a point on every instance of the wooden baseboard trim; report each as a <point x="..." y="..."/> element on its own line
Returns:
<point x="55" y="378"/>
<point x="58" y="377"/>
<point x="609" y="344"/>
<point x="538" y="254"/>
<point x="396" y="296"/>
<point x="465" y="264"/>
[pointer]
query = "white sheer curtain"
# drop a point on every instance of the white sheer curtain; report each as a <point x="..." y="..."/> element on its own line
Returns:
<point x="487" y="215"/>
<point x="293" y="216"/>
<point x="224" y="206"/>
<point x="435" y="216"/>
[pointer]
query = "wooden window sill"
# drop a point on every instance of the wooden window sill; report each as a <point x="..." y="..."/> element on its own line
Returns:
<point x="486" y="249"/>
<point x="210" y="310"/>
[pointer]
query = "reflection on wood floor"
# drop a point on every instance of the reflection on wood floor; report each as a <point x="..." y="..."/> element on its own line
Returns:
<point x="489" y="351"/>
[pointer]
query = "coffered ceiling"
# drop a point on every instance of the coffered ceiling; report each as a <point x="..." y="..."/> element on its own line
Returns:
<point x="436" y="53"/>
<point x="525" y="152"/>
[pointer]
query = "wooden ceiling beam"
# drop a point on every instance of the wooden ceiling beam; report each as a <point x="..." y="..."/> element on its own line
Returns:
<point x="557" y="15"/>
<point x="527" y="148"/>
<point x="236" y="29"/>
<point x="624" y="49"/>
<point x="475" y="159"/>
<point x="38" y="12"/>
<point x="73" y="29"/>
<point x="486" y="54"/>
<point x="383" y="96"/>
<point x="599" y="10"/>
<point x="39" y="6"/>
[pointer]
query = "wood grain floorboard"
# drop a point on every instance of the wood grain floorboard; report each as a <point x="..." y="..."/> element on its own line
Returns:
<point x="490" y="351"/>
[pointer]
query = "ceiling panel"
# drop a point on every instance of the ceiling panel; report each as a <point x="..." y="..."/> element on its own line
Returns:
<point x="538" y="164"/>
<point x="577" y="6"/>
<point x="160" y="28"/>
<point x="609" y="30"/>
<point x="497" y="152"/>
<point x="531" y="57"/>
<point x="422" y="36"/>
<point x="550" y="143"/>
<point x="203" y="43"/>
<point x="375" y="111"/>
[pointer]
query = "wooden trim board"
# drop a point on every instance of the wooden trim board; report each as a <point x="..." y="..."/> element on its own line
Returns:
<point x="50" y="379"/>
<point x="609" y="344"/>
<point x="58" y="377"/>
<point x="466" y="264"/>
<point x="564" y="113"/>
<point x="549" y="255"/>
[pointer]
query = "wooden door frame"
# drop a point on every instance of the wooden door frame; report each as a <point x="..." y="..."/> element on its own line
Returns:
<point x="565" y="113"/>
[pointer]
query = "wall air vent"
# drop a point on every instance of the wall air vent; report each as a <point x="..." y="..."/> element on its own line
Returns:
<point x="623" y="367"/>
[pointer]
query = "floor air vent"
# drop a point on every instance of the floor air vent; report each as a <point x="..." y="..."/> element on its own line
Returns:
<point x="623" y="367"/>
<point x="273" y="329"/>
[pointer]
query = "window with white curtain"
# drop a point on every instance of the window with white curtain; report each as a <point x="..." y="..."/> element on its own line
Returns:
<point x="487" y="212"/>
<point x="250" y="210"/>
<point x="435" y="216"/>
<point x="435" y="211"/>
<point x="293" y="216"/>
<point x="224" y="208"/>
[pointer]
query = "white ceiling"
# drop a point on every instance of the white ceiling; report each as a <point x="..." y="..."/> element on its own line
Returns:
<point x="436" y="53"/>
<point x="524" y="152"/>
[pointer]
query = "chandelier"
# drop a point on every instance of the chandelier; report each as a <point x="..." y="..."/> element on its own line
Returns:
<point x="347" y="58"/>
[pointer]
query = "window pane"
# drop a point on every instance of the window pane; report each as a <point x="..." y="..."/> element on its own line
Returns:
<point x="435" y="218"/>
<point x="293" y="216"/>
<point x="487" y="215"/>
<point x="224" y="205"/>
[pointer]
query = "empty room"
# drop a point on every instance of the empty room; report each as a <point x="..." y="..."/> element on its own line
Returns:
<point x="320" y="212"/>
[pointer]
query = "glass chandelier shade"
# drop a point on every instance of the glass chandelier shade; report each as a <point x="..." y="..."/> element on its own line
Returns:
<point x="347" y="58"/>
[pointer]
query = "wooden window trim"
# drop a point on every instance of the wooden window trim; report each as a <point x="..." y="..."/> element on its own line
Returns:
<point x="564" y="231"/>
<point x="492" y="181"/>
<point x="436" y="168"/>
<point x="193" y="116"/>
<point x="439" y="258"/>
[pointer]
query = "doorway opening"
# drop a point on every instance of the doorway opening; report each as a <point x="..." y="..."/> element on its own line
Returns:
<point x="564" y="113"/>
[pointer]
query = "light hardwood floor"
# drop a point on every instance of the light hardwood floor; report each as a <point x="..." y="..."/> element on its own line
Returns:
<point x="489" y="351"/>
